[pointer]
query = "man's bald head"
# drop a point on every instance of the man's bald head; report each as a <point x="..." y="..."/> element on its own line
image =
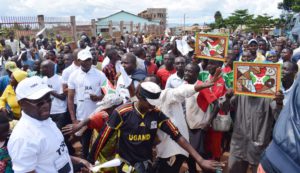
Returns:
<point x="47" y="68"/>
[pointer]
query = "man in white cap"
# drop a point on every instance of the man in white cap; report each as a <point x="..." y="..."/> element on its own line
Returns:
<point x="86" y="84"/>
<point x="137" y="124"/>
<point x="36" y="144"/>
<point x="256" y="56"/>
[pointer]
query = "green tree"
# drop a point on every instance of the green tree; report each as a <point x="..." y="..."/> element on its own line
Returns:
<point x="4" y="32"/>
<point x="296" y="6"/>
<point x="279" y="22"/>
<point x="219" y="22"/>
<point x="285" y="5"/>
<point x="238" y="18"/>
<point x="230" y="23"/>
<point x="218" y="16"/>
<point x="290" y="5"/>
<point x="242" y="17"/>
<point x="260" y="23"/>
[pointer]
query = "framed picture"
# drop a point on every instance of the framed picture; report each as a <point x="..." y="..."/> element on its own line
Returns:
<point x="256" y="79"/>
<point x="211" y="46"/>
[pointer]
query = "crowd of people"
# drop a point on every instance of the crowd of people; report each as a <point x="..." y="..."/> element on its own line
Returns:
<point x="143" y="100"/>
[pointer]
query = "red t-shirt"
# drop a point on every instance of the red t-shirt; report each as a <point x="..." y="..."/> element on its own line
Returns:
<point x="152" y="68"/>
<point x="163" y="74"/>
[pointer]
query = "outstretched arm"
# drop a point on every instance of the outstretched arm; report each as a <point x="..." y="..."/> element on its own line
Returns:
<point x="75" y="127"/>
<point x="205" y="164"/>
<point x="168" y="127"/>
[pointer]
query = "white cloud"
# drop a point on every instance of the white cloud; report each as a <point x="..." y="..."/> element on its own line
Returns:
<point x="196" y="11"/>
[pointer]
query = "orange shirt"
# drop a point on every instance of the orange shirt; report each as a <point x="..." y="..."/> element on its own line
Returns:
<point x="97" y="120"/>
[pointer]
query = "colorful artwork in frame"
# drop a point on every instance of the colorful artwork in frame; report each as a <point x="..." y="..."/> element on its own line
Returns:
<point x="256" y="79"/>
<point x="211" y="46"/>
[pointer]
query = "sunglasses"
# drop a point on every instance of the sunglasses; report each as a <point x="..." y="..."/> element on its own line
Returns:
<point x="40" y="102"/>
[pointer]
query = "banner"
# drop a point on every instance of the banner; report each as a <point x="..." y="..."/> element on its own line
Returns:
<point x="256" y="79"/>
<point x="210" y="46"/>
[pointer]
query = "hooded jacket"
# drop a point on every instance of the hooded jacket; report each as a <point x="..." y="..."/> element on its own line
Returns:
<point x="284" y="151"/>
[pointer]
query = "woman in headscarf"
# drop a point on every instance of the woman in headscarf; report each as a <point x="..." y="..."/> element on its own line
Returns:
<point x="9" y="96"/>
<point x="271" y="57"/>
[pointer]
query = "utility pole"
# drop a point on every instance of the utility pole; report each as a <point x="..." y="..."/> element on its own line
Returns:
<point x="184" y="23"/>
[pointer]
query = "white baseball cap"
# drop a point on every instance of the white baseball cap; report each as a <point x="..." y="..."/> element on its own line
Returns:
<point x="109" y="100"/>
<point x="252" y="41"/>
<point x="32" y="88"/>
<point x="84" y="55"/>
<point x="151" y="92"/>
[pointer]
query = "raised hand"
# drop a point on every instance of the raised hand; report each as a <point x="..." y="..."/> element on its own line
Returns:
<point x="217" y="75"/>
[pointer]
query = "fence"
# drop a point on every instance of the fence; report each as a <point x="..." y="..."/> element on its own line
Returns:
<point x="68" y="27"/>
<point x="116" y="29"/>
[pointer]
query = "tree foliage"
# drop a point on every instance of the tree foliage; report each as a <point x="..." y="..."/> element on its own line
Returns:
<point x="260" y="23"/>
<point x="219" y="22"/>
<point x="289" y="5"/>
<point x="241" y="18"/>
<point x="285" y="5"/>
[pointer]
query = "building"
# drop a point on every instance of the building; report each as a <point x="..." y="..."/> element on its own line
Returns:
<point x="189" y="29"/>
<point x="155" y="14"/>
<point x="122" y="21"/>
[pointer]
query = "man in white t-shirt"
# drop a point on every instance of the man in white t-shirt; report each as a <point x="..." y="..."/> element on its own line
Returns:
<point x="130" y="77"/>
<point x="36" y="144"/>
<point x="85" y="83"/>
<point x="59" y="102"/>
<point x="140" y="54"/>
<point x="13" y="43"/>
<point x="67" y="71"/>
<point x="65" y="77"/>
<point x="176" y="79"/>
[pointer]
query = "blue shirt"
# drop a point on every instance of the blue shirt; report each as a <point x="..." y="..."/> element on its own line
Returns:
<point x="4" y="81"/>
<point x="28" y="62"/>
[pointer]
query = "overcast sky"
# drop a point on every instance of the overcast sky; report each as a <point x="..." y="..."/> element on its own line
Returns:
<point x="197" y="11"/>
